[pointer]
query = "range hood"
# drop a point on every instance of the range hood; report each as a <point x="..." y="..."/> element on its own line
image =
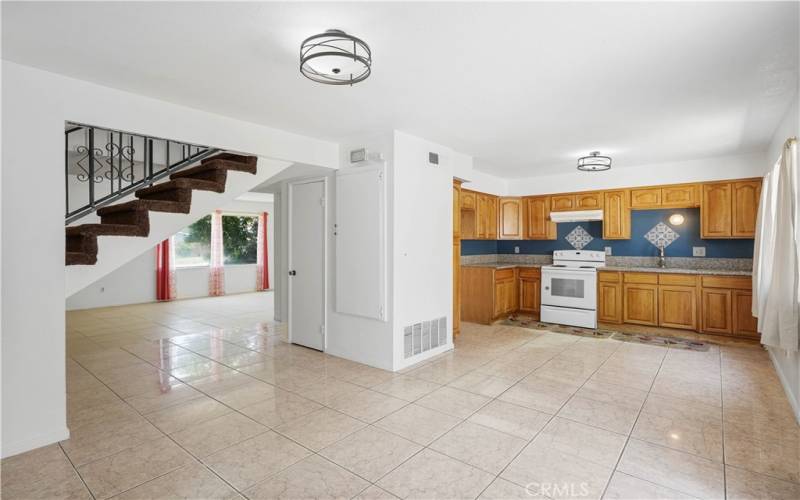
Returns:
<point x="576" y="216"/>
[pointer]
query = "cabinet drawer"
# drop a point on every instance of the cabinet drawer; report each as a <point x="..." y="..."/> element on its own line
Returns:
<point x="677" y="279"/>
<point x="608" y="276"/>
<point x="503" y="274"/>
<point x="650" y="278"/>
<point x="529" y="272"/>
<point x="736" y="282"/>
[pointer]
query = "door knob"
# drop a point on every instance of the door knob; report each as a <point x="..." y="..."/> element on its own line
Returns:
<point x="292" y="273"/>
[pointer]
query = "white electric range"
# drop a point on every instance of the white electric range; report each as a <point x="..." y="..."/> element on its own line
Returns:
<point x="569" y="288"/>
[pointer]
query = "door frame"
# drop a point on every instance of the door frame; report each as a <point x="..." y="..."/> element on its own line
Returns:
<point x="290" y="256"/>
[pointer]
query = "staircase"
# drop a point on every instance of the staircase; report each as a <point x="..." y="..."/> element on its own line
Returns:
<point x="132" y="218"/>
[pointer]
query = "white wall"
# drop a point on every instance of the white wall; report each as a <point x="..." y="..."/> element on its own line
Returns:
<point x="787" y="364"/>
<point x="705" y="169"/>
<point x="35" y="106"/>
<point x="135" y="282"/>
<point x="469" y="170"/>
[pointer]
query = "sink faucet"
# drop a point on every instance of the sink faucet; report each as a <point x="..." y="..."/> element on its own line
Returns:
<point x="662" y="259"/>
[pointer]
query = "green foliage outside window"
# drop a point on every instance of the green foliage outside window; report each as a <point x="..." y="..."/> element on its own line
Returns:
<point x="239" y="241"/>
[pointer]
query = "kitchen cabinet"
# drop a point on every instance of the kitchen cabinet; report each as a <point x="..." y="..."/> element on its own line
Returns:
<point x="589" y="201"/>
<point x="486" y="217"/>
<point x="677" y="301"/>
<point x="640" y="298"/>
<point x="616" y="215"/>
<point x="505" y="295"/>
<point x="746" y="196"/>
<point x="467" y="200"/>
<point x="646" y="198"/>
<point x="530" y="290"/>
<point x="729" y="209"/>
<point x="562" y="202"/>
<point x="510" y="214"/>
<point x="674" y="196"/>
<point x="536" y="218"/>
<point x="456" y="210"/>
<point x="609" y="297"/>
<point x="726" y="306"/>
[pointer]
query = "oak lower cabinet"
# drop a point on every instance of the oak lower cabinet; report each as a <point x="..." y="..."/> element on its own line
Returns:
<point x="726" y="306"/>
<point x="677" y="307"/>
<point x="489" y="293"/>
<point x="609" y="297"/>
<point x="640" y="304"/>
<point x="530" y="290"/>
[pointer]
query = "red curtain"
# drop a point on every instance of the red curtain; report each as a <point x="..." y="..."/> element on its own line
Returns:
<point x="262" y="254"/>
<point x="165" y="271"/>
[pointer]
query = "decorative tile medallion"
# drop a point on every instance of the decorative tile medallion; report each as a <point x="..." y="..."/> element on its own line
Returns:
<point x="661" y="235"/>
<point x="578" y="238"/>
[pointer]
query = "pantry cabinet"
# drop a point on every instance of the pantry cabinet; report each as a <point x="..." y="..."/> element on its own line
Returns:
<point x="536" y="218"/>
<point x="510" y="214"/>
<point x="616" y="215"/>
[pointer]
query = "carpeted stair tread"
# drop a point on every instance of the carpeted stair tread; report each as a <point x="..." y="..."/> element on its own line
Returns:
<point x="80" y="258"/>
<point x="214" y="165"/>
<point x="174" y="207"/>
<point x="184" y="183"/>
<point x="108" y="230"/>
<point x="233" y="157"/>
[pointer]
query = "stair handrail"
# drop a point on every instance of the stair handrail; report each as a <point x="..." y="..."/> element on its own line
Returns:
<point x="116" y="163"/>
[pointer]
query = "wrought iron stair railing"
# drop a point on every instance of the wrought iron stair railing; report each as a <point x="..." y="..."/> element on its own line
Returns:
<point x="103" y="165"/>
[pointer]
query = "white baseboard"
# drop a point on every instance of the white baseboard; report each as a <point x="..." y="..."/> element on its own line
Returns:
<point x="786" y="386"/>
<point x="15" y="447"/>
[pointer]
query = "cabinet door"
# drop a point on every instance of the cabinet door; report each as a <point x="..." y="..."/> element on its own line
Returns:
<point x="616" y="215"/>
<point x="512" y="299"/>
<point x="609" y="307"/>
<point x="529" y="295"/>
<point x="537" y="223"/>
<point x="677" y="307"/>
<point x="468" y="200"/>
<point x="746" y="195"/>
<point x="491" y="217"/>
<point x="510" y="211"/>
<point x="717" y="315"/>
<point x="744" y="324"/>
<point x="480" y="216"/>
<point x="500" y="299"/>
<point x="562" y="202"/>
<point x="646" y="197"/>
<point x="679" y="196"/>
<point x="715" y="211"/>
<point x="640" y="304"/>
<point x="589" y="201"/>
<point x="456" y="210"/>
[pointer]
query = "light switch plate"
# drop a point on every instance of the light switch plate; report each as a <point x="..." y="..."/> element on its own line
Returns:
<point x="699" y="251"/>
<point x="516" y="249"/>
<point x="608" y="250"/>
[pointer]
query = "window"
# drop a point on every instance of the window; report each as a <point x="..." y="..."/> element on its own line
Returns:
<point x="192" y="244"/>
<point x="240" y="238"/>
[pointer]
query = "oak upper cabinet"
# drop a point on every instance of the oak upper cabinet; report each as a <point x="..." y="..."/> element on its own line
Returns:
<point x="491" y="217"/>
<point x="609" y="297"/>
<point x="456" y="209"/>
<point x="468" y="200"/>
<point x="649" y="197"/>
<point x="715" y="210"/>
<point x="482" y="206"/>
<point x="677" y="301"/>
<point x="510" y="215"/>
<point x="562" y="202"/>
<point x="530" y="288"/>
<point x="616" y="215"/>
<point x="680" y="196"/>
<point x="589" y="201"/>
<point x="536" y="218"/>
<point x="745" y="198"/>
<point x="640" y="298"/>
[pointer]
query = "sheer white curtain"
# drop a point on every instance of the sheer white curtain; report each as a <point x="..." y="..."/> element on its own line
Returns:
<point x="776" y="259"/>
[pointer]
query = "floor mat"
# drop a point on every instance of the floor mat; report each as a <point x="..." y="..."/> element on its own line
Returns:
<point x="600" y="333"/>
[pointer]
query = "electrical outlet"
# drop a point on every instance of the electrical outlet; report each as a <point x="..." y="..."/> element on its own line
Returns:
<point x="699" y="251"/>
<point x="516" y="249"/>
<point x="608" y="250"/>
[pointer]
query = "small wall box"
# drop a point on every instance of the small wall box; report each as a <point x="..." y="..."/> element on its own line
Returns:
<point x="358" y="155"/>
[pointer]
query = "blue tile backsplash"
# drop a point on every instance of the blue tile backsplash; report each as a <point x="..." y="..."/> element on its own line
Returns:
<point x="642" y="221"/>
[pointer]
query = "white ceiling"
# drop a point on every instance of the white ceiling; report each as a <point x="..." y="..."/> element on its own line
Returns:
<point x="523" y="87"/>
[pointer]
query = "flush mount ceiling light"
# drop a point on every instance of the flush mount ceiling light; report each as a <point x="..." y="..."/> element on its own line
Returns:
<point x="594" y="162"/>
<point x="335" y="58"/>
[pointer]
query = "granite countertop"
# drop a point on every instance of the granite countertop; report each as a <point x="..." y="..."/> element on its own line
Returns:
<point x="674" y="270"/>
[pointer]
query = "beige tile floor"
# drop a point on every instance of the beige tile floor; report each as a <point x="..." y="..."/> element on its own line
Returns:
<point x="205" y="399"/>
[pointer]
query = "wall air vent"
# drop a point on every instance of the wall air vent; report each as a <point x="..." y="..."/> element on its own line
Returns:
<point x="424" y="336"/>
<point x="433" y="158"/>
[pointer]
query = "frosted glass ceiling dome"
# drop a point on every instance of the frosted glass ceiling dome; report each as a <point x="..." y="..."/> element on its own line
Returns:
<point x="335" y="58"/>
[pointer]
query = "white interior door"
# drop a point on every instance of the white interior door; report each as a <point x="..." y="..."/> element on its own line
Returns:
<point x="307" y="264"/>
